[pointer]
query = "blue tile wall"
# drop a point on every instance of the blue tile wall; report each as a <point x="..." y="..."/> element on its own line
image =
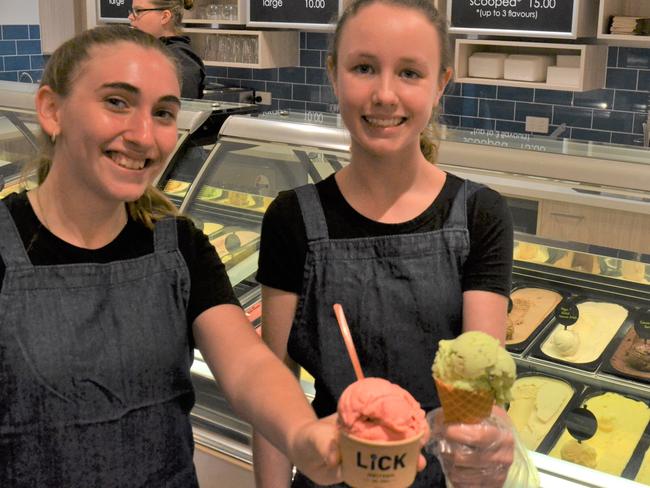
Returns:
<point x="613" y="114"/>
<point x="21" y="58"/>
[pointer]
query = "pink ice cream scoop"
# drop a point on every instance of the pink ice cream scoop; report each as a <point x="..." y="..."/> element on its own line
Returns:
<point x="376" y="409"/>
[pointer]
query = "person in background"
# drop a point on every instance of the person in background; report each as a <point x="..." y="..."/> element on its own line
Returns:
<point x="164" y="19"/>
<point x="414" y="254"/>
<point x="105" y="292"/>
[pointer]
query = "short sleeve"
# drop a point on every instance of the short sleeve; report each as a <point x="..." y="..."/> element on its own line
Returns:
<point x="489" y="264"/>
<point x="283" y="247"/>
<point x="210" y="285"/>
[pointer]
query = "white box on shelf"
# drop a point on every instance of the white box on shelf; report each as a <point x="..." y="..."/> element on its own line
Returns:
<point x="563" y="75"/>
<point x="568" y="61"/>
<point x="527" y="67"/>
<point x="486" y="65"/>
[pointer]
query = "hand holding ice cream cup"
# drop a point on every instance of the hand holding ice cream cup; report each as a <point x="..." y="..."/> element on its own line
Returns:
<point x="382" y="428"/>
<point x="473" y="375"/>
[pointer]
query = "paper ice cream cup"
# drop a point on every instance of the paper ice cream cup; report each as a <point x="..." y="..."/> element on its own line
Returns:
<point x="385" y="464"/>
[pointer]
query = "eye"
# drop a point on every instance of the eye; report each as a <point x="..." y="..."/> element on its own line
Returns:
<point x="165" y="114"/>
<point x="410" y="74"/>
<point x="116" y="103"/>
<point x="363" y="69"/>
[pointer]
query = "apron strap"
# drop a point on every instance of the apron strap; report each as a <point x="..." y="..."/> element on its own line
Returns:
<point x="12" y="249"/>
<point x="458" y="213"/>
<point x="165" y="235"/>
<point x="312" y="213"/>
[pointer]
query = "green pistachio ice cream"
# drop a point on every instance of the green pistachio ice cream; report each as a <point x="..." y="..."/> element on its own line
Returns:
<point x="475" y="361"/>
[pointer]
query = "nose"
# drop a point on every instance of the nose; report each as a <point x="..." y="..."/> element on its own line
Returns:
<point x="384" y="92"/>
<point x="140" y="130"/>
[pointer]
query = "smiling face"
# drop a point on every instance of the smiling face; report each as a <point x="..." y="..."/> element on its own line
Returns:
<point x="387" y="78"/>
<point x="117" y="125"/>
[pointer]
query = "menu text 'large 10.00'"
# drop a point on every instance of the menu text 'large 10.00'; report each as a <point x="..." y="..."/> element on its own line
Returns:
<point x="294" y="11"/>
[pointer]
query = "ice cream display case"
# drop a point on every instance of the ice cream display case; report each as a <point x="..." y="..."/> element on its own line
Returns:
<point x="19" y="132"/>
<point x="579" y="310"/>
<point x="239" y="178"/>
<point x="198" y="128"/>
<point x="199" y="123"/>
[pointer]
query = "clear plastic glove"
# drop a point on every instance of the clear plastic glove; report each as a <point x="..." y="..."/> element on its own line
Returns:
<point x="315" y="451"/>
<point x="472" y="455"/>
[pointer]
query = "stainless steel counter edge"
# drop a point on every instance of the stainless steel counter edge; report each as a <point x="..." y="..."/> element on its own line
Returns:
<point x="17" y="95"/>
<point x="533" y="188"/>
<point x="555" y="473"/>
<point x="289" y="132"/>
<point x="552" y="166"/>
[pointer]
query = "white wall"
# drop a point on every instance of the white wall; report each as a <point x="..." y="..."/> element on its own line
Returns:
<point x="19" y="12"/>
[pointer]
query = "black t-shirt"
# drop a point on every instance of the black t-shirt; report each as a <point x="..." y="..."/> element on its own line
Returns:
<point x="209" y="282"/>
<point x="284" y="241"/>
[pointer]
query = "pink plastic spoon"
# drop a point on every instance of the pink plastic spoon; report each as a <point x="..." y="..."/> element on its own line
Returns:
<point x="347" y="338"/>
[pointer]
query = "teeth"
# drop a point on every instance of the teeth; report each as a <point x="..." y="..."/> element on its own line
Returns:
<point x="127" y="163"/>
<point x="384" y="122"/>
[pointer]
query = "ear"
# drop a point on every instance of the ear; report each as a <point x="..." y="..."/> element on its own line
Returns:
<point x="165" y="18"/>
<point x="442" y="84"/>
<point x="48" y="104"/>
<point x="331" y="74"/>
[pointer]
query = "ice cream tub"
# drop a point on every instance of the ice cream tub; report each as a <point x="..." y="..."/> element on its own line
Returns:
<point x="234" y="243"/>
<point x="530" y="252"/>
<point x="532" y="308"/>
<point x="538" y="401"/>
<point x="638" y="469"/>
<point x="584" y="343"/>
<point x="381" y="426"/>
<point x="621" y="420"/>
<point x="629" y="356"/>
<point x="385" y="464"/>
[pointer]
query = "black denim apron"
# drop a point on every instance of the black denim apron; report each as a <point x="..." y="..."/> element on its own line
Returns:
<point x="95" y="387"/>
<point x="401" y="294"/>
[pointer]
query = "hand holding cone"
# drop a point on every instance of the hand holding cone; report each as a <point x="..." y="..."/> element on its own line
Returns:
<point x="471" y="373"/>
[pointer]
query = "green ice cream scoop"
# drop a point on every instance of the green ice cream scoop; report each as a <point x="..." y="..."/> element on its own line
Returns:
<point x="475" y="361"/>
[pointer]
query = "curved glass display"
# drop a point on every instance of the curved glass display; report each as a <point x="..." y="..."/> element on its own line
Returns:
<point x="18" y="145"/>
<point x="547" y="144"/>
<point x="239" y="181"/>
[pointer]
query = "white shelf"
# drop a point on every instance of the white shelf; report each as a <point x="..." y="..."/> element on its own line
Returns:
<point x="593" y="61"/>
<point x="633" y="8"/>
<point x="60" y="22"/>
<point x="246" y="48"/>
<point x="227" y="12"/>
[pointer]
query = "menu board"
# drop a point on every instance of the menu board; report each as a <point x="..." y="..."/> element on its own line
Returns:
<point x="512" y="15"/>
<point x="293" y="12"/>
<point x="113" y="10"/>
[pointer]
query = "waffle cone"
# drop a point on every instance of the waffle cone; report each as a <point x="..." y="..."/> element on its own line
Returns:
<point x="463" y="406"/>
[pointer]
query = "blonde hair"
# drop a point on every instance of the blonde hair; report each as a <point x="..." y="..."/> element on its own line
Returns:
<point x="60" y="73"/>
<point x="430" y="137"/>
<point x="176" y="8"/>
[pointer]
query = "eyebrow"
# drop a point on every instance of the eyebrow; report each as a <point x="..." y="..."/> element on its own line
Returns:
<point x="120" y="85"/>
<point x="373" y="57"/>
